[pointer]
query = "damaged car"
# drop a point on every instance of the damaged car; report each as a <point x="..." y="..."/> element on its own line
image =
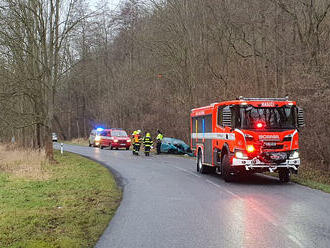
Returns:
<point x="175" y="146"/>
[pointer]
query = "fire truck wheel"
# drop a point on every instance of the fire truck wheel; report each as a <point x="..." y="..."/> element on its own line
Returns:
<point x="226" y="169"/>
<point x="284" y="175"/>
<point x="101" y="147"/>
<point x="200" y="167"/>
<point x="127" y="148"/>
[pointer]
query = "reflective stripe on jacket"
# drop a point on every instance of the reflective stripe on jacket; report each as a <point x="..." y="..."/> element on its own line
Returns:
<point x="147" y="141"/>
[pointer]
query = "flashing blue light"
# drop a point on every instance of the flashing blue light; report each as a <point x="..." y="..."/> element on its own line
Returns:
<point x="99" y="129"/>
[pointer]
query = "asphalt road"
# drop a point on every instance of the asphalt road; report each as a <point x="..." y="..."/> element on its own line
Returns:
<point x="166" y="203"/>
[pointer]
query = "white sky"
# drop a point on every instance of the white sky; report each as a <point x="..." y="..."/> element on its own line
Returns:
<point x="113" y="4"/>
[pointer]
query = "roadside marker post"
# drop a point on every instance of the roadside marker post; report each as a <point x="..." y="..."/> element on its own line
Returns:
<point x="62" y="148"/>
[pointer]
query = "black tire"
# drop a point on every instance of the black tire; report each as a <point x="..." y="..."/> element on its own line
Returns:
<point x="101" y="147"/>
<point x="226" y="169"/>
<point x="284" y="175"/>
<point x="211" y="169"/>
<point x="110" y="146"/>
<point x="200" y="167"/>
<point x="127" y="148"/>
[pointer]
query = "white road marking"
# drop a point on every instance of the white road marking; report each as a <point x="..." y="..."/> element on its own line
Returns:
<point x="294" y="239"/>
<point x="178" y="168"/>
<point x="224" y="189"/>
<point x="192" y="173"/>
<point x="185" y="171"/>
<point x="214" y="184"/>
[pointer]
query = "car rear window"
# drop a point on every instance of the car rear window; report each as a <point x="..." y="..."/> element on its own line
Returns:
<point x="118" y="133"/>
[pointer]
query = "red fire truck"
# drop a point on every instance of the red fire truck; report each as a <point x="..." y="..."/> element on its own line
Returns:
<point x="246" y="136"/>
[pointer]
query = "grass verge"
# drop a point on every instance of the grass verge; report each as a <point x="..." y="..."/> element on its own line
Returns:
<point x="78" y="142"/>
<point x="312" y="178"/>
<point x="69" y="206"/>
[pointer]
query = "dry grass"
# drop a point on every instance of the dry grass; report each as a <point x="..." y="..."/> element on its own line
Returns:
<point x="23" y="163"/>
<point x="77" y="141"/>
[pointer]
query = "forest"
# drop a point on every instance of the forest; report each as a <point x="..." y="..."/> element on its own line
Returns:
<point x="66" y="67"/>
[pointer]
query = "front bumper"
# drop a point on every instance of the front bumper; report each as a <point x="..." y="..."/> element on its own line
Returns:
<point x="119" y="145"/>
<point x="255" y="163"/>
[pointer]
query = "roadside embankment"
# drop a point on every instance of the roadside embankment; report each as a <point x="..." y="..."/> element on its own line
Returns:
<point x="68" y="204"/>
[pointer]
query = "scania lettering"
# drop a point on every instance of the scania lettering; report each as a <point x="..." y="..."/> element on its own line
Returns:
<point x="246" y="136"/>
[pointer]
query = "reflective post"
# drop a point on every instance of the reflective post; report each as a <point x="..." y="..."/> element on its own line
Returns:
<point x="62" y="148"/>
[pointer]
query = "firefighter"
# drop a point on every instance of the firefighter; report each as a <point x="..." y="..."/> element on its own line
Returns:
<point x="137" y="142"/>
<point x="159" y="139"/>
<point x="133" y="141"/>
<point x="147" y="142"/>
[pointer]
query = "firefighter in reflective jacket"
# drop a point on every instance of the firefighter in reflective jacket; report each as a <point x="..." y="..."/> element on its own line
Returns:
<point x="136" y="142"/>
<point x="159" y="139"/>
<point x="133" y="141"/>
<point x="147" y="142"/>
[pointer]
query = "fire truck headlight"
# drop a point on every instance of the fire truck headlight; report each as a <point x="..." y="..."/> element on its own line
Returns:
<point x="294" y="155"/>
<point x="240" y="155"/>
<point x="97" y="138"/>
<point x="129" y="140"/>
<point x="115" y="140"/>
<point x="250" y="148"/>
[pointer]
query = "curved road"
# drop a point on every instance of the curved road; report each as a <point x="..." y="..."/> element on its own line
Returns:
<point x="167" y="204"/>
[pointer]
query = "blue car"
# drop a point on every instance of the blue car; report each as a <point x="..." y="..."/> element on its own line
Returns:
<point x="174" y="146"/>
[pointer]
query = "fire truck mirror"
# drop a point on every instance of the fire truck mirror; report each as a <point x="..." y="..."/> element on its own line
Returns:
<point x="226" y="117"/>
<point x="301" y="119"/>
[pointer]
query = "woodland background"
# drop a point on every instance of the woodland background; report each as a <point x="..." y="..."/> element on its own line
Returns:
<point x="65" y="67"/>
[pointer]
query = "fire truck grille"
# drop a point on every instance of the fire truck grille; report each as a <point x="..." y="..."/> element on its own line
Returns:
<point x="274" y="147"/>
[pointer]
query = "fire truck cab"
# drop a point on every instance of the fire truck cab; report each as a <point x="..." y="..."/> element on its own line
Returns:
<point x="246" y="136"/>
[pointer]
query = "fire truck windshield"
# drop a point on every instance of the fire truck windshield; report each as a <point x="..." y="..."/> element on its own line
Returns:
<point x="250" y="117"/>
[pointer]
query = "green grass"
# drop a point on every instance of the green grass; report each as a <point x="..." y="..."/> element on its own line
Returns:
<point x="313" y="178"/>
<point x="71" y="208"/>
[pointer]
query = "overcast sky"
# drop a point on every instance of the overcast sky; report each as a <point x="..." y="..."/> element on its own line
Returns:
<point x="113" y="4"/>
